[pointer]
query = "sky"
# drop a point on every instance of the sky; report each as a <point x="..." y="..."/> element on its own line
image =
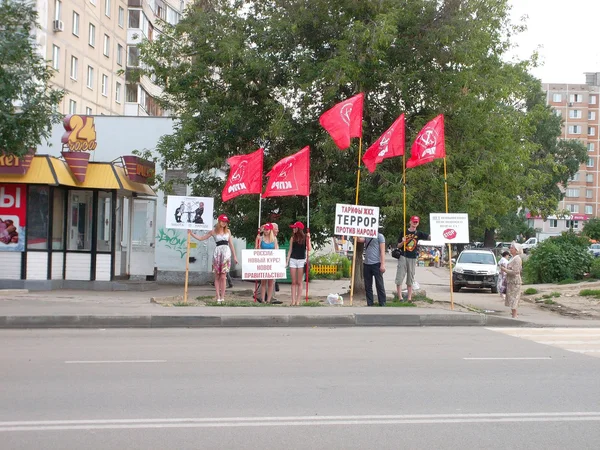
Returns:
<point x="566" y="35"/>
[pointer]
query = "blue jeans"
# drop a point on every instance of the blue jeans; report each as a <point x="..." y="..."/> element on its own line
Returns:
<point x="370" y="271"/>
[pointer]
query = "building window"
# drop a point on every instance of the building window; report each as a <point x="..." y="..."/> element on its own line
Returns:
<point x="93" y="2"/>
<point x="591" y="115"/>
<point x="590" y="146"/>
<point x="119" y="54"/>
<point x="133" y="56"/>
<point x="575" y="98"/>
<point x="72" y="107"/>
<point x="575" y="177"/>
<point x="88" y="111"/>
<point x="572" y="193"/>
<point x="131" y="93"/>
<point x="575" y="114"/>
<point x="574" y="129"/>
<point x="574" y="224"/>
<point x="58" y="219"/>
<point x="75" y="24"/>
<point x="92" y="37"/>
<point x="557" y="112"/>
<point x="593" y="99"/>
<point x="104" y="221"/>
<point x="106" y="45"/>
<point x="90" y="77"/>
<point x="588" y="193"/>
<point x="118" y="93"/>
<point x="55" y="57"/>
<point x="573" y="208"/>
<point x="107" y="8"/>
<point x="173" y="16"/>
<point x="79" y="226"/>
<point x="38" y="206"/>
<point x="74" y="62"/>
<point x="589" y="178"/>
<point x="589" y="209"/>
<point x="134" y="18"/>
<point x="591" y="131"/>
<point x="557" y="98"/>
<point x="121" y="17"/>
<point x="105" y="85"/>
<point x="590" y="162"/>
<point x="57" y="9"/>
<point x="553" y="223"/>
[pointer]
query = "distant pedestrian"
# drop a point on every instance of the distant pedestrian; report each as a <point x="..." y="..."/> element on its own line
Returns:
<point x="374" y="267"/>
<point x="513" y="278"/>
<point x="296" y="259"/>
<point x="407" y="262"/>
<point x="222" y="254"/>
<point x="502" y="275"/>
<point x="436" y="257"/>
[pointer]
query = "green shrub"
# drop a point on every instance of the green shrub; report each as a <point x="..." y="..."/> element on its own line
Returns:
<point x="530" y="291"/>
<point x="557" y="259"/>
<point x="595" y="268"/>
<point x="342" y="262"/>
<point x="590" y="293"/>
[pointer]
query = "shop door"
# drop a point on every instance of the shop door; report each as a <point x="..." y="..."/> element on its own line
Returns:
<point x="122" y="237"/>
<point x="80" y="220"/>
<point x="143" y="231"/>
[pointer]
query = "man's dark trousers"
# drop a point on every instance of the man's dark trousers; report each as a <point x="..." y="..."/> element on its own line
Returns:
<point x="370" y="271"/>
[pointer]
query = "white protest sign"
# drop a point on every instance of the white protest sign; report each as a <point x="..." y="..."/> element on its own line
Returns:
<point x="189" y="213"/>
<point x="263" y="264"/>
<point x="449" y="228"/>
<point x="356" y="220"/>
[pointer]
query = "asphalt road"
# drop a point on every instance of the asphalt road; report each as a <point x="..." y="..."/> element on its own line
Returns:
<point x="385" y="388"/>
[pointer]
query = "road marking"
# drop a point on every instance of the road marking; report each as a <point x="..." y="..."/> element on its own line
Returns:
<point x="230" y="422"/>
<point x="123" y="361"/>
<point x="509" y="358"/>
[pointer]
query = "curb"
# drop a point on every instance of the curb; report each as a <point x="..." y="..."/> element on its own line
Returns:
<point x="272" y="321"/>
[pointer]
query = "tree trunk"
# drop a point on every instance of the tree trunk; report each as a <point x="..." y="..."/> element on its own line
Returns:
<point x="359" y="282"/>
<point x="489" y="239"/>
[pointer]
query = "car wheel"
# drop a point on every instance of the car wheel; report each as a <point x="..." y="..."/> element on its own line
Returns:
<point x="495" y="290"/>
<point x="455" y="288"/>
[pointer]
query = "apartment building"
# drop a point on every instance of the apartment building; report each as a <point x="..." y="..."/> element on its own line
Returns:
<point x="578" y="105"/>
<point x="92" y="45"/>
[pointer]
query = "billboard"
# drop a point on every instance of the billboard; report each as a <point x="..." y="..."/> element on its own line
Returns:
<point x="189" y="213"/>
<point x="13" y="213"/>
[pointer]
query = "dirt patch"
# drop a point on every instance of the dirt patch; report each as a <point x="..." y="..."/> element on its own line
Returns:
<point x="565" y="300"/>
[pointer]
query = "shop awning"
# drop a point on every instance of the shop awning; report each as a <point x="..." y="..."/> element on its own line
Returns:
<point x="46" y="169"/>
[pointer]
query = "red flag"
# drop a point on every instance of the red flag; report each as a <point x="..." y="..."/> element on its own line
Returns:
<point x="429" y="144"/>
<point x="344" y="121"/>
<point x="290" y="176"/>
<point x="390" y="144"/>
<point x="245" y="175"/>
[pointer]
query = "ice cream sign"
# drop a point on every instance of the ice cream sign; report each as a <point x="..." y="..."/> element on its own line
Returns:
<point x="79" y="138"/>
<point x="13" y="210"/>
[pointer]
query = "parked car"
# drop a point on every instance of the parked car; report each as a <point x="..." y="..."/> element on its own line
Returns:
<point x="475" y="269"/>
<point x="594" y="249"/>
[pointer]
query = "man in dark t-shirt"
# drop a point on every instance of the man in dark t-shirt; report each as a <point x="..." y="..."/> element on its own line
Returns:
<point x="408" y="260"/>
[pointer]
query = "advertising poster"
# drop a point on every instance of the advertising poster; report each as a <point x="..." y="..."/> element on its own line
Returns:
<point x="263" y="264"/>
<point x="13" y="213"/>
<point x="449" y="228"/>
<point x="356" y="220"/>
<point x="189" y="213"/>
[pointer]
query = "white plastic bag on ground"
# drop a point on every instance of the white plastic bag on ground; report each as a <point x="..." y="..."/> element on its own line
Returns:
<point x="335" y="299"/>
<point x="416" y="286"/>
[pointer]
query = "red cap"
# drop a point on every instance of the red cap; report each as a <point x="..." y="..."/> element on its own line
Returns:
<point x="299" y="225"/>
<point x="223" y="218"/>
<point x="415" y="219"/>
<point x="268" y="226"/>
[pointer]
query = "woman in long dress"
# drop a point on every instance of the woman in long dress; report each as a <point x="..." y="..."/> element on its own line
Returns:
<point x="222" y="254"/>
<point x="513" y="278"/>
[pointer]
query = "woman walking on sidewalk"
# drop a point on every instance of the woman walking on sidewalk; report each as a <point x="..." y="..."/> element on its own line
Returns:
<point x="222" y="254"/>
<point x="296" y="259"/>
<point x="513" y="278"/>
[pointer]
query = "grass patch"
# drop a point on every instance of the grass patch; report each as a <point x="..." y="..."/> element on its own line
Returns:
<point x="311" y="304"/>
<point x="184" y="304"/>
<point x="568" y="281"/>
<point x="590" y="293"/>
<point x="530" y="291"/>
<point x="549" y="302"/>
<point x="205" y="297"/>
<point x="403" y="304"/>
<point x="555" y="294"/>
<point x="239" y="303"/>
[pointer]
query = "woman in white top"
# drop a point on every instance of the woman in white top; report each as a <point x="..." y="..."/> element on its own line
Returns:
<point x="222" y="254"/>
<point x="502" y="276"/>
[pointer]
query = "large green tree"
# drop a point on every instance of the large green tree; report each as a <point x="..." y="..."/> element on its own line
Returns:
<point x="243" y="74"/>
<point x="27" y="103"/>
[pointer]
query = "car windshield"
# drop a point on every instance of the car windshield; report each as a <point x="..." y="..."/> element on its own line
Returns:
<point x="595" y="246"/>
<point x="477" y="258"/>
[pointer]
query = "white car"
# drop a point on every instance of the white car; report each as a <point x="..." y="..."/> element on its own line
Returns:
<point x="475" y="269"/>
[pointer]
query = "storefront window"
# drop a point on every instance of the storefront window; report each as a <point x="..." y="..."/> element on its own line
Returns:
<point x="58" y="220"/>
<point x="37" y="217"/>
<point x="104" y="221"/>
<point x="80" y="216"/>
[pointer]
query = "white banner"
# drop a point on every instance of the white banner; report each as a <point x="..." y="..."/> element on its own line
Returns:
<point x="189" y="213"/>
<point x="449" y="228"/>
<point x="356" y="220"/>
<point x="263" y="264"/>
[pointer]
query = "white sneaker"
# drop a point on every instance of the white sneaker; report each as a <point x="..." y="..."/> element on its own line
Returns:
<point x="220" y="300"/>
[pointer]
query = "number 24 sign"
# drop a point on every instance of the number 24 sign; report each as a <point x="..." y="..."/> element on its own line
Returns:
<point x="80" y="134"/>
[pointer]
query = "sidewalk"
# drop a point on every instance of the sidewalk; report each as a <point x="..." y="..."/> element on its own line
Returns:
<point x="121" y="309"/>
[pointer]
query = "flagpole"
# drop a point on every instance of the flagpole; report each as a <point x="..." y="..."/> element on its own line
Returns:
<point x="449" y="245"/>
<point x="258" y="228"/>
<point x="403" y="203"/>
<point x="306" y="243"/>
<point x="356" y="203"/>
